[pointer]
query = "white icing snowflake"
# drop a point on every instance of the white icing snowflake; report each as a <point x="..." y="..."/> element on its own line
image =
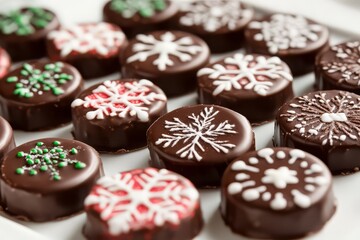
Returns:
<point x="246" y="72"/>
<point x="200" y="131"/>
<point x="117" y="99"/>
<point x="164" y="49"/>
<point x="102" y="38"/>
<point x="140" y="199"/>
<point x="329" y="118"/>
<point x="349" y="66"/>
<point x="286" y="31"/>
<point x="254" y="183"/>
<point x="213" y="15"/>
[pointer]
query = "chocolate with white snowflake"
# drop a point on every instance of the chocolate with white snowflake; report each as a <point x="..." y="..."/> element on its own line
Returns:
<point x="293" y="38"/>
<point x="286" y="187"/>
<point x="325" y="123"/>
<point x="45" y="174"/>
<point x="168" y="58"/>
<point x="5" y="62"/>
<point x="199" y="140"/>
<point x="143" y="202"/>
<point x="246" y="82"/>
<point x="117" y="112"/>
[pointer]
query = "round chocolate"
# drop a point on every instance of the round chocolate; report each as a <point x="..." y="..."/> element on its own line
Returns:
<point x="37" y="95"/>
<point x="143" y="204"/>
<point x="220" y="23"/>
<point x="170" y="59"/>
<point x="339" y="68"/>
<point x="93" y="48"/>
<point x="23" y="32"/>
<point x="51" y="176"/>
<point x="293" y="38"/>
<point x="140" y="16"/>
<point x="325" y="124"/>
<point x="7" y="141"/>
<point x="199" y="142"/>
<point x="5" y="62"/>
<point x="247" y="82"/>
<point x="277" y="193"/>
<point x="113" y="116"/>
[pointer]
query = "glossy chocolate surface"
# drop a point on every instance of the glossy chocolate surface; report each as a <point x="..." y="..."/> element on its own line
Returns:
<point x="277" y="193"/>
<point x="170" y="59"/>
<point x="247" y="84"/>
<point x="199" y="142"/>
<point x="53" y="183"/>
<point x="325" y="124"/>
<point x="37" y="95"/>
<point x="113" y="116"/>
<point x="7" y="141"/>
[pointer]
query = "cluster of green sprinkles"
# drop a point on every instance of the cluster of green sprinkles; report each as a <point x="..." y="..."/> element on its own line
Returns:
<point x="25" y="22"/>
<point x="34" y="80"/>
<point x="145" y="8"/>
<point x="49" y="160"/>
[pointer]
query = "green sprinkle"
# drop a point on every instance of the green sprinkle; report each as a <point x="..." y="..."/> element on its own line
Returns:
<point x="20" y="171"/>
<point x="44" y="168"/>
<point x="56" y="143"/>
<point x="20" y="154"/>
<point x="30" y="162"/>
<point x="62" y="164"/>
<point x="37" y="161"/>
<point x="39" y="144"/>
<point x="73" y="151"/>
<point x="62" y="155"/>
<point x="33" y="151"/>
<point x="33" y="172"/>
<point x="12" y="79"/>
<point x="80" y="165"/>
<point x="56" y="177"/>
<point x="45" y="150"/>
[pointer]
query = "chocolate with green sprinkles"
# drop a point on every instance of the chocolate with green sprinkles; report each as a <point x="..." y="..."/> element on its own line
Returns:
<point x="52" y="175"/>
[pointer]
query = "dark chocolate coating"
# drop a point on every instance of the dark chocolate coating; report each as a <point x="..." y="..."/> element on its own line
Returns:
<point x="138" y="24"/>
<point x="206" y="171"/>
<point x="28" y="46"/>
<point x="216" y="15"/>
<point x="325" y="124"/>
<point x="300" y="60"/>
<point x="113" y="133"/>
<point x="7" y="141"/>
<point x="5" y="62"/>
<point x="248" y="101"/>
<point x="277" y="207"/>
<point x="43" y="198"/>
<point x="38" y="112"/>
<point x="339" y="68"/>
<point x="177" y="78"/>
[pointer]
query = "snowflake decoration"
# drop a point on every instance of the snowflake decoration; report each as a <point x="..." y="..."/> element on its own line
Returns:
<point x="200" y="131"/>
<point x="283" y="32"/>
<point x="256" y="183"/>
<point x="164" y="49"/>
<point x="48" y="160"/>
<point x="4" y="63"/>
<point x="326" y="117"/>
<point x="246" y="72"/>
<point x="103" y="39"/>
<point x="349" y="65"/>
<point x="140" y="199"/>
<point x="145" y="8"/>
<point x="117" y="99"/>
<point x="35" y="81"/>
<point x="25" y="22"/>
<point x="213" y="15"/>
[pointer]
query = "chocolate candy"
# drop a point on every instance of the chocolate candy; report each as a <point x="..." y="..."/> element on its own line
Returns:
<point x="325" y="124"/>
<point x="170" y="59"/>
<point x="220" y="23"/>
<point x="140" y="16"/>
<point x="339" y="68"/>
<point x="7" y="141"/>
<point x="143" y="204"/>
<point x="93" y="48"/>
<point x="247" y="82"/>
<point x="23" y="32"/>
<point x="113" y="116"/>
<point x="37" y="95"/>
<point x="277" y="193"/>
<point x="199" y="142"/>
<point x="5" y="62"/>
<point x="50" y="176"/>
<point x="293" y="38"/>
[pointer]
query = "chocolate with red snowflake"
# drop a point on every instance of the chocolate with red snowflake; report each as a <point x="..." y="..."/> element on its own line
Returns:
<point x="143" y="204"/>
<point x="5" y="62"/>
<point x="324" y="123"/>
<point x="277" y="193"/>
<point x="248" y="84"/>
<point x="113" y="116"/>
<point x="93" y="48"/>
